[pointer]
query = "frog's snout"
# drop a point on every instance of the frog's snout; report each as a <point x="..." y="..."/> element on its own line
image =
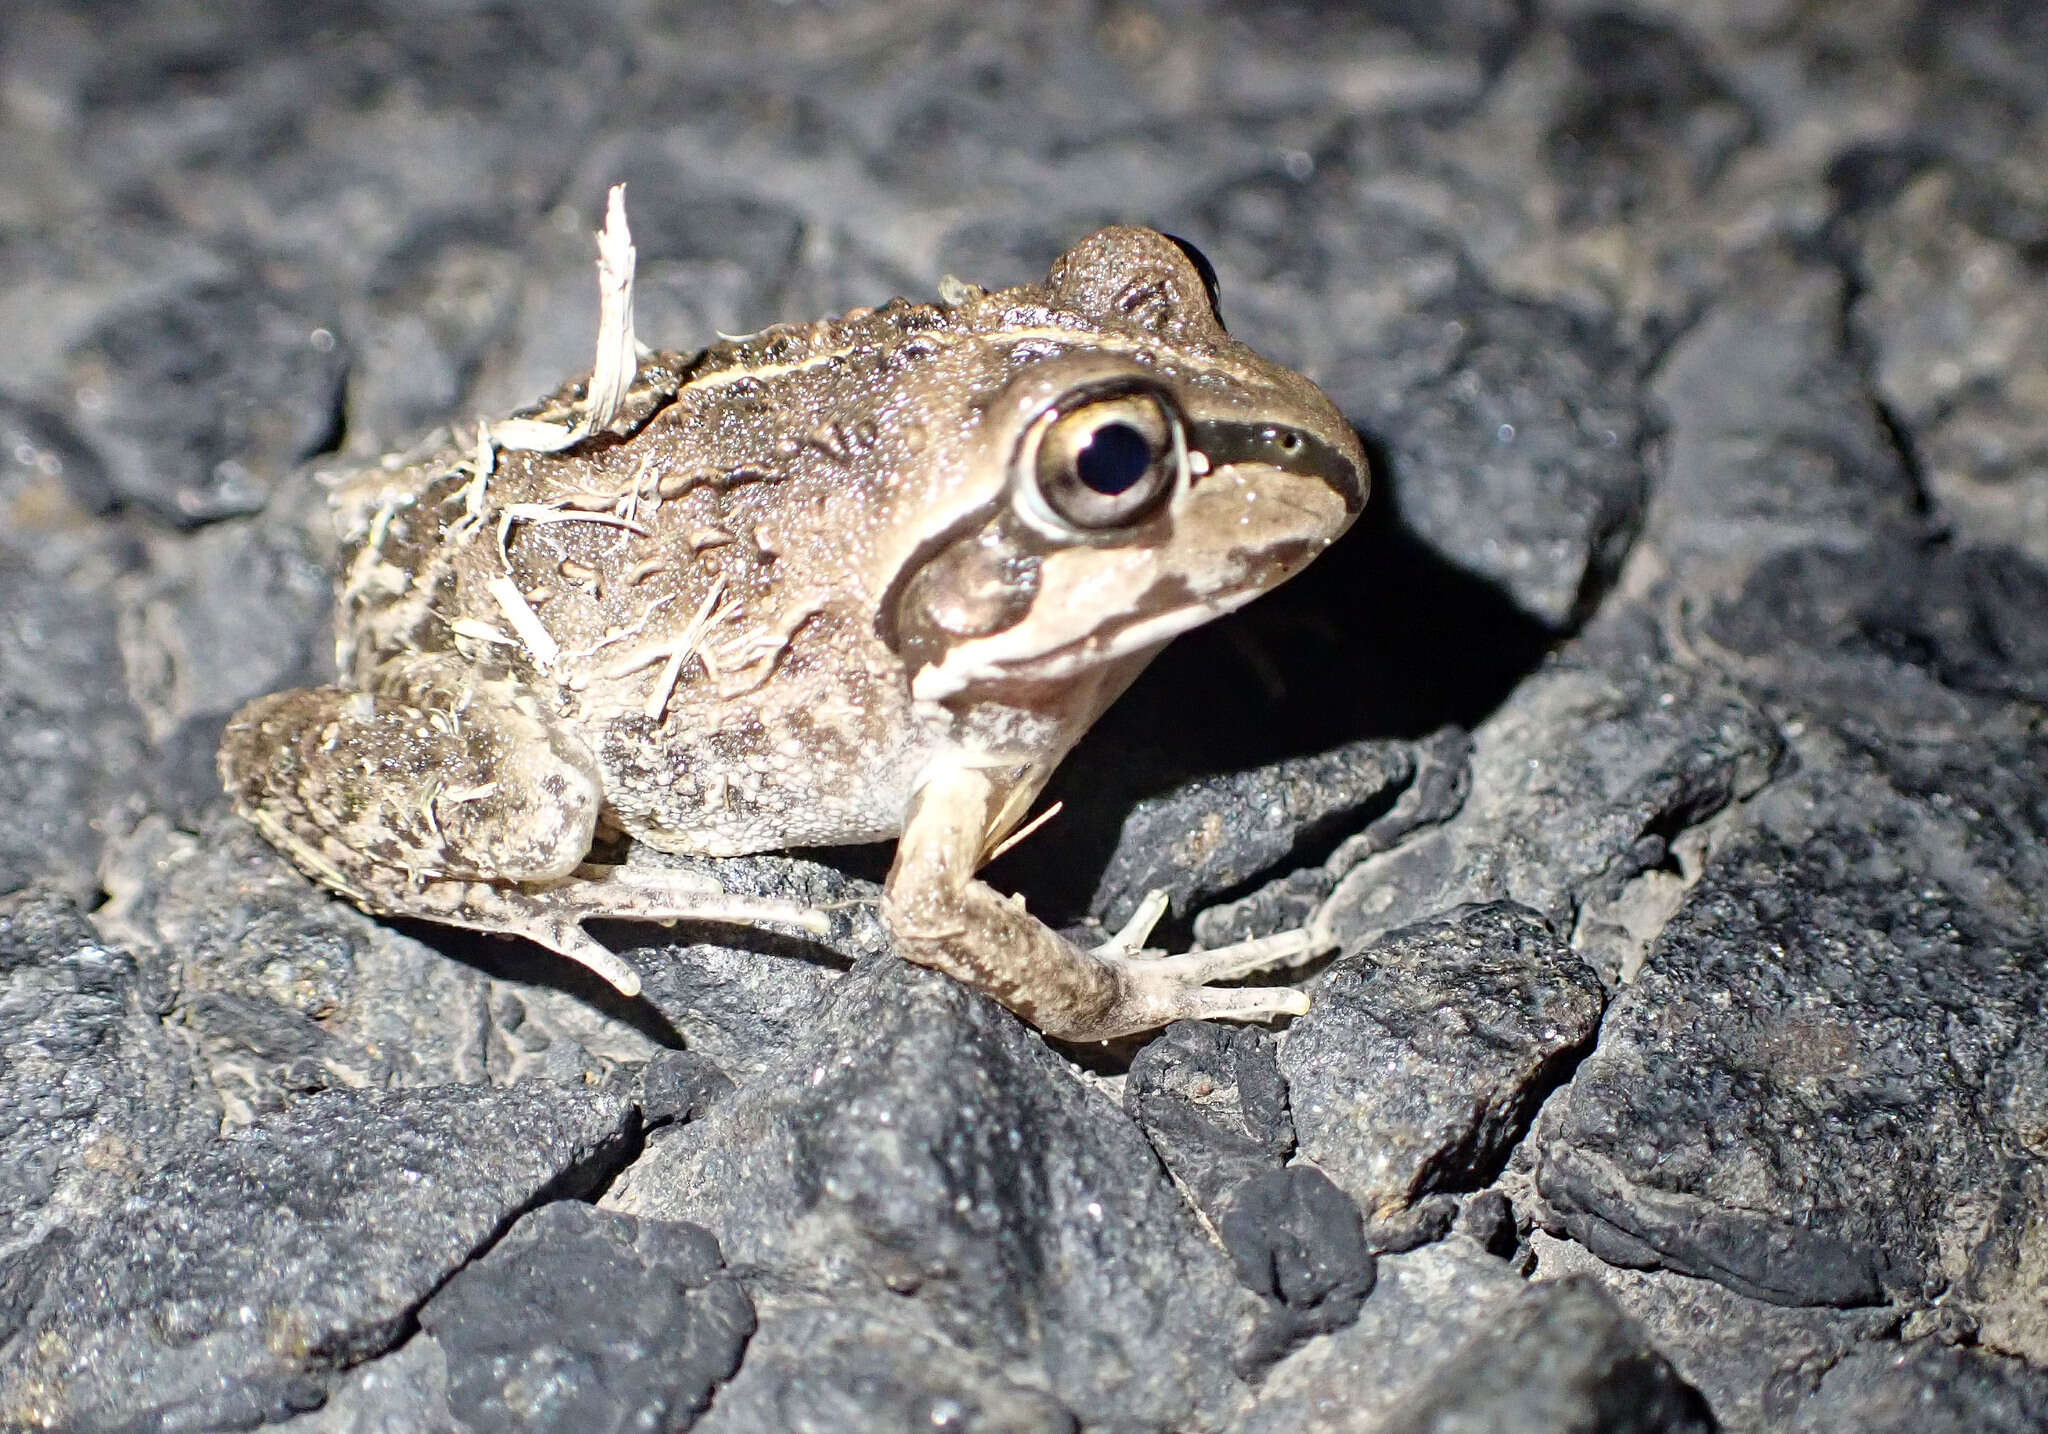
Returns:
<point x="1223" y="442"/>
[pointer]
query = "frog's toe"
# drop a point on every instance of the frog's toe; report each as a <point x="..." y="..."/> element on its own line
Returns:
<point x="1154" y="997"/>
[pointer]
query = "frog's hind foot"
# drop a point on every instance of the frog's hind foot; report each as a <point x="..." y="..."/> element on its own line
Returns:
<point x="460" y="809"/>
<point x="552" y="915"/>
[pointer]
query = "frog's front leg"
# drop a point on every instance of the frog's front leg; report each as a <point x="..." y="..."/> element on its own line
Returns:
<point x="466" y="809"/>
<point x="942" y="917"/>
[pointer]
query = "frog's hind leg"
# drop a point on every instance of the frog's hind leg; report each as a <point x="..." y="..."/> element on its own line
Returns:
<point x="478" y="813"/>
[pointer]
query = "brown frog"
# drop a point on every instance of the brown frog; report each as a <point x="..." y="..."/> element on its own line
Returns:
<point x="837" y="582"/>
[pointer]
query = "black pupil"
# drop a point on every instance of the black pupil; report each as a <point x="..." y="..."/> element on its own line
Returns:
<point x="1116" y="457"/>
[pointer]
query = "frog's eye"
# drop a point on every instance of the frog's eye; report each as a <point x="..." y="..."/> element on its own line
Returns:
<point x="1109" y="462"/>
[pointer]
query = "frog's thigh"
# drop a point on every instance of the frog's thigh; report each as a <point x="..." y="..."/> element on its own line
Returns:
<point x="942" y="917"/>
<point x="382" y="789"/>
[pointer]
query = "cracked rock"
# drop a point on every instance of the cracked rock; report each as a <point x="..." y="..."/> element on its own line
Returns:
<point x="1210" y="1100"/>
<point x="240" y="1278"/>
<point x="1751" y="1360"/>
<point x="1426" y="1303"/>
<point x="1215" y="833"/>
<point x="1584" y="780"/>
<point x="1792" y="1099"/>
<point x="918" y="1150"/>
<point x="1427" y="1050"/>
<point x="589" y="1320"/>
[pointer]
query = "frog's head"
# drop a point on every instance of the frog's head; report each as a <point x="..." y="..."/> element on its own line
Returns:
<point x="1134" y="473"/>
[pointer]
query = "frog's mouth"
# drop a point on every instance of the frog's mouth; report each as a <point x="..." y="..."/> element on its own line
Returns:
<point x="1099" y="606"/>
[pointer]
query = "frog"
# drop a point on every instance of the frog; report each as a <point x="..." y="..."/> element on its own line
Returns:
<point x="863" y="579"/>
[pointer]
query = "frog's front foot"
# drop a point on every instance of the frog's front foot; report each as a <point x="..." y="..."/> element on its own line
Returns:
<point x="1158" y="988"/>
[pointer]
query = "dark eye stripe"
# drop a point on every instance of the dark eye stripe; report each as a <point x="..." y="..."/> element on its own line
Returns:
<point x="1223" y="442"/>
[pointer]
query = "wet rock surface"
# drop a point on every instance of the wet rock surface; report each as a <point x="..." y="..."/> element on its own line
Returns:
<point x="1662" y="757"/>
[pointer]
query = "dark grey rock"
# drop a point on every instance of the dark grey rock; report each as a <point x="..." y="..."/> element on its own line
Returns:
<point x="38" y="446"/>
<point x="93" y="1094"/>
<point x="71" y="742"/>
<point x="1426" y="1052"/>
<point x="1215" y="833"/>
<point x="1556" y="1359"/>
<point x="238" y="610"/>
<point x="282" y="987"/>
<point x="815" y="1367"/>
<point x="1830" y="1007"/>
<point x="1512" y="433"/>
<point x="1438" y="787"/>
<point x="430" y="313"/>
<point x="919" y="1149"/>
<point x="1425" y="1305"/>
<point x="1948" y="303"/>
<point x="1965" y="618"/>
<point x="584" y="1319"/>
<point x="679" y="1086"/>
<point x="197" y="400"/>
<point x="1750" y="1360"/>
<point x="1774" y="439"/>
<point x="405" y="1392"/>
<point x="741" y="997"/>
<point x="1644" y="120"/>
<point x="1210" y="1099"/>
<point x="234" y="1283"/>
<point x="1421" y="1222"/>
<point x="1488" y="1220"/>
<point x="1923" y="1388"/>
<point x="1588" y="778"/>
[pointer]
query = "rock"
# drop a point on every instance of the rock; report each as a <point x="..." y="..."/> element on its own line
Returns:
<point x="93" y="1093"/>
<point x="919" y="1151"/>
<point x="439" y="302"/>
<point x="1791" y="1098"/>
<point x="1427" y="1051"/>
<point x="1511" y="433"/>
<point x="1750" y="1360"/>
<point x="1644" y="121"/>
<point x="1959" y="329"/>
<point x="1775" y="441"/>
<point x="588" y="1320"/>
<point x="239" y="610"/>
<point x="1432" y="796"/>
<point x="1583" y="786"/>
<point x="1923" y="1388"/>
<point x="194" y="401"/>
<point x="1426" y="1304"/>
<point x="1961" y="618"/>
<point x="815" y="1367"/>
<point x="71" y="744"/>
<point x="405" y="1392"/>
<point x="679" y="1086"/>
<point x="283" y="988"/>
<point x="236" y="1281"/>
<point x="1214" y="833"/>
<point x="1556" y="1359"/>
<point x="744" y="997"/>
<point x="1210" y="1099"/>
